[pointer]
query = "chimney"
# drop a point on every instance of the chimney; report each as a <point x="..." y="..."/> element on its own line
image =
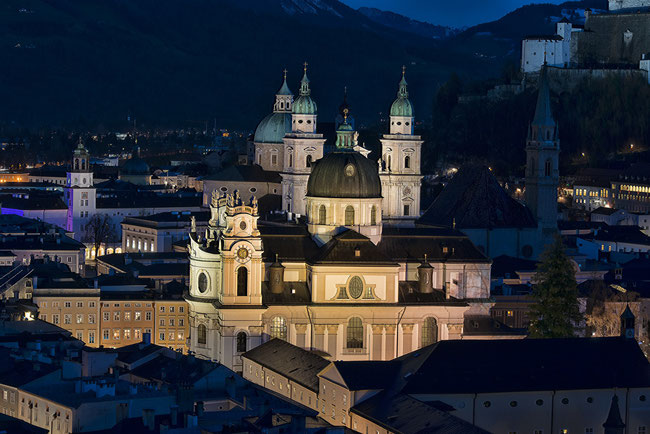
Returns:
<point x="425" y="277"/>
<point x="276" y="277"/>
<point x="148" y="417"/>
<point x="173" y="413"/>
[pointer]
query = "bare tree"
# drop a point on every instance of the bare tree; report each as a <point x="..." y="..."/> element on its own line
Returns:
<point x="99" y="230"/>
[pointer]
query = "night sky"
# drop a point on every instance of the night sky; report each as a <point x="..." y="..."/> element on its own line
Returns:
<point x="455" y="13"/>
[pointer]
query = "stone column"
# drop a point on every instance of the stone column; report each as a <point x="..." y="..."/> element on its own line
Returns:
<point x="407" y="338"/>
<point x="455" y="330"/>
<point x="319" y="336"/>
<point x="390" y="341"/>
<point x="332" y="335"/>
<point x="301" y="330"/>
<point x="377" y="350"/>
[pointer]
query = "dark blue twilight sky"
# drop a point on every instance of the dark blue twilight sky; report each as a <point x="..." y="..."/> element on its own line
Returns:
<point x="456" y="13"/>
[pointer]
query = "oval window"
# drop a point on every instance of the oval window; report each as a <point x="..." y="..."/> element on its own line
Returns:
<point x="355" y="287"/>
<point x="203" y="283"/>
<point x="540" y="402"/>
<point x="486" y="404"/>
<point x="252" y="190"/>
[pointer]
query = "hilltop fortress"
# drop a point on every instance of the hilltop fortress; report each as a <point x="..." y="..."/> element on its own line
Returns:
<point x="615" y="40"/>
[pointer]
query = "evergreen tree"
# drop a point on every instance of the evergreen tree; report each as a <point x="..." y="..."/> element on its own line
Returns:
<point x="556" y="313"/>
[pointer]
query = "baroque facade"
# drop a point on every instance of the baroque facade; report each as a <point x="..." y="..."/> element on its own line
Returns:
<point x="347" y="281"/>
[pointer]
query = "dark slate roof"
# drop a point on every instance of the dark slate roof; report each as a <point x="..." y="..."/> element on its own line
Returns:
<point x="475" y="199"/>
<point x="533" y="364"/>
<point x="404" y="414"/>
<point x="135" y="166"/>
<point x="290" y="242"/>
<point x="481" y="325"/>
<point x="134" y="352"/>
<point x="178" y="370"/>
<point x="34" y="202"/>
<point x="621" y="234"/>
<point x="150" y="201"/>
<point x="252" y="173"/>
<point x="409" y="293"/>
<point x="507" y="266"/>
<point x="367" y="375"/>
<point x="351" y="247"/>
<point x="344" y="174"/>
<point x="601" y="210"/>
<point x="411" y="244"/>
<point x="290" y="361"/>
<point x="18" y="373"/>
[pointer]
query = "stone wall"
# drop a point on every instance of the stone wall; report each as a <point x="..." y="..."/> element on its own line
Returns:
<point x="627" y="4"/>
<point x="620" y="38"/>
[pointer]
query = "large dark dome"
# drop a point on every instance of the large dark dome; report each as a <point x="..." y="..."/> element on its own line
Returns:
<point x="134" y="166"/>
<point x="344" y="174"/>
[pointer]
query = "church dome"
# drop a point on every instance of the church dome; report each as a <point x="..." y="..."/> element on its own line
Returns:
<point x="273" y="128"/>
<point x="135" y="166"/>
<point x="401" y="107"/>
<point x="304" y="105"/>
<point x="344" y="174"/>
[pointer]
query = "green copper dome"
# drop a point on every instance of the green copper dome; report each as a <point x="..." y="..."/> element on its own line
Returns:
<point x="273" y="128"/>
<point x="304" y="105"/>
<point x="402" y="106"/>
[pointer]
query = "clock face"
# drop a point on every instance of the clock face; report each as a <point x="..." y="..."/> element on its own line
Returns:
<point x="242" y="253"/>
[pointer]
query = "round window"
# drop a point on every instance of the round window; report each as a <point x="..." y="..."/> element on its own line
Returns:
<point x="252" y="190"/>
<point x="590" y="399"/>
<point x="203" y="283"/>
<point x="486" y="404"/>
<point x="309" y="121"/>
<point x="349" y="170"/>
<point x="300" y="121"/>
<point x="224" y="189"/>
<point x="642" y="398"/>
<point x="355" y="288"/>
<point x="565" y="401"/>
<point x="540" y="402"/>
<point x="399" y="123"/>
<point x="513" y="403"/>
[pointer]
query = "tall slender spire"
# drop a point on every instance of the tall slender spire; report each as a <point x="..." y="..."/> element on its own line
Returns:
<point x="543" y="116"/>
<point x="304" y="83"/>
<point x="403" y="87"/>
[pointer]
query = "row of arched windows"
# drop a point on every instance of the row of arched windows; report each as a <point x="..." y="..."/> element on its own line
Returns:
<point x="354" y="333"/>
<point x="349" y="215"/>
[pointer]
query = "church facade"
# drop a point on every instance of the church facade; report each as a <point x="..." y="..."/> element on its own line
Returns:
<point x="349" y="281"/>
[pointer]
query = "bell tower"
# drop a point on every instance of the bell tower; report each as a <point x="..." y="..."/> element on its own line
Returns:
<point x="302" y="146"/>
<point x="542" y="171"/>
<point x="80" y="193"/>
<point x="399" y="167"/>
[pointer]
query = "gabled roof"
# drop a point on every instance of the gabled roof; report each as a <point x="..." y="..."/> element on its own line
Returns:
<point x="605" y="211"/>
<point x="367" y="375"/>
<point x="404" y="414"/>
<point x="243" y="173"/>
<point x="351" y="247"/>
<point x="475" y="200"/>
<point x="290" y="361"/>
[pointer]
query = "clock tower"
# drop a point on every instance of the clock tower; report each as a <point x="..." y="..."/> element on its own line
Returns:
<point x="80" y="193"/>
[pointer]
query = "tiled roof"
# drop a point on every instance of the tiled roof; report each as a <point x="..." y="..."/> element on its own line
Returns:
<point x="474" y="199"/>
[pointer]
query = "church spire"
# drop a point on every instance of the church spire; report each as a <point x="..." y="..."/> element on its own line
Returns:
<point x="403" y="92"/>
<point x="284" y="97"/>
<point x="543" y="116"/>
<point x="284" y="90"/>
<point x="304" y="83"/>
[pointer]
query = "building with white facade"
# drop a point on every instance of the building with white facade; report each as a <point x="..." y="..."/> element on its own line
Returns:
<point x="553" y="50"/>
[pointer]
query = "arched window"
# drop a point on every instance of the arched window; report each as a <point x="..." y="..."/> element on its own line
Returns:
<point x="355" y="333"/>
<point x="308" y="162"/>
<point x="322" y="215"/>
<point x="202" y="334"/>
<point x="547" y="168"/>
<point x="349" y="215"/>
<point x="242" y="281"/>
<point x="407" y="162"/>
<point x="290" y="160"/>
<point x="76" y="164"/>
<point x="373" y="215"/>
<point x="429" y="331"/>
<point x="83" y="164"/>
<point x="388" y="162"/>
<point x="279" y="328"/>
<point x="241" y="342"/>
